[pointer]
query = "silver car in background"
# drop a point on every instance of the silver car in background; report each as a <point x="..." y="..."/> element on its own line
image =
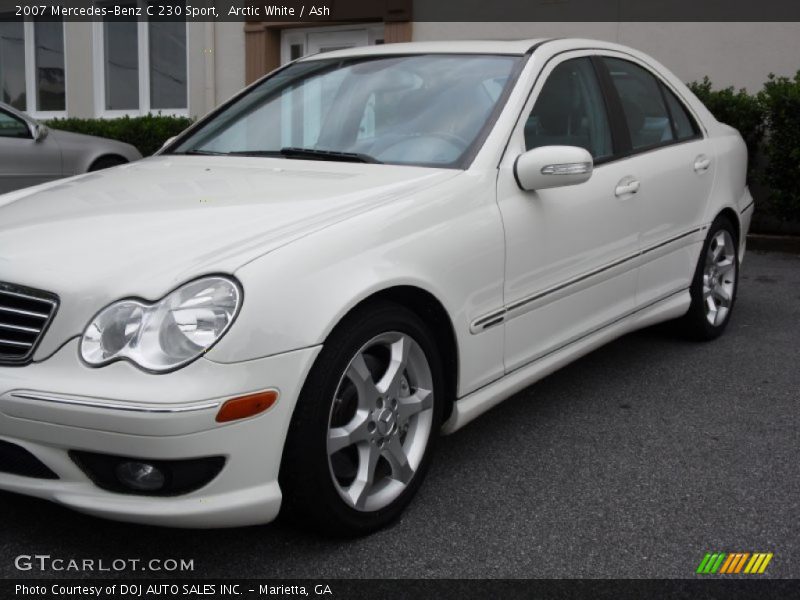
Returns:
<point x="30" y="153"/>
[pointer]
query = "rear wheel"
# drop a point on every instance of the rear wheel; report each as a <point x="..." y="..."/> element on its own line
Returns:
<point x="715" y="283"/>
<point x="365" y="424"/>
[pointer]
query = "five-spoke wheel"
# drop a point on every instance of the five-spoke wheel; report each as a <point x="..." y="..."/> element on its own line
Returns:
<point x="380" y="421"/>
<point x="364" y="427"/>
<point x="713" y="288"/>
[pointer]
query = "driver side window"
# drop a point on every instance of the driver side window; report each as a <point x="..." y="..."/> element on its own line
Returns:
<point x="12" y="127"/>
<point x="570" y="111"/>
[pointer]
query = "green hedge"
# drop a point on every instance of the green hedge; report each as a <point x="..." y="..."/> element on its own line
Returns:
<point x="147" y="133"/>
<point x="769" y="122"/>
<point x="781" y="101"/>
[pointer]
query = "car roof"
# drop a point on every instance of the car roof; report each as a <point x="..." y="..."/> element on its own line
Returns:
<point x="517" y="47"/>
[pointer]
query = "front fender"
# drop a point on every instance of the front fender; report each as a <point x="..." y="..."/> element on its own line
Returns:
<point x="446" y="240"/>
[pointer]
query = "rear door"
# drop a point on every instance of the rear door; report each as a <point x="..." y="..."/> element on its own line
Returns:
<point x="24" y="161"/>
<point x="673" y="163"/>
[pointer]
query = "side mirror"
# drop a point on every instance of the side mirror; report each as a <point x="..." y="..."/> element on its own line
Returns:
<point x="553" y="166"/>
<point x="39" y="132"/>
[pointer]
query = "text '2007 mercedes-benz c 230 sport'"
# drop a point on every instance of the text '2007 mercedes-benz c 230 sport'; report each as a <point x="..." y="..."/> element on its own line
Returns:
<point x="284" y="307"/>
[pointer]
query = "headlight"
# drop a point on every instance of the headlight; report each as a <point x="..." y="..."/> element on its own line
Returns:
<point x="166" y="334"/>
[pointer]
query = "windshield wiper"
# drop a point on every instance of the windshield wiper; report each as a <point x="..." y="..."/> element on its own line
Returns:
<point x="199" y="153"/>
<point x="314" y="154"/>
<point x="311" y="154"/>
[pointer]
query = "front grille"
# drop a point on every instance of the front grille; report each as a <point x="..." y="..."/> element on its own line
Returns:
<point x="18" y="461"/>
<point x="25" y="314"/>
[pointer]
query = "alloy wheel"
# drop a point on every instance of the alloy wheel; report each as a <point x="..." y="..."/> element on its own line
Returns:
<point x="380" y="421"/>
<point x="719" y="277"/>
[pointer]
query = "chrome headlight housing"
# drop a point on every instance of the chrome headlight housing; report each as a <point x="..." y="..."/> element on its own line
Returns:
<point x="167" y="334"/>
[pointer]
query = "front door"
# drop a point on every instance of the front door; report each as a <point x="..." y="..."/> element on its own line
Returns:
<point x="24" y="161"/>
<point x="571" y="251"/>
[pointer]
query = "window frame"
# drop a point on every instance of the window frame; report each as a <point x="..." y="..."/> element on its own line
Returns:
<point x="615" y="104"/>
<point x="143" y="64"/>
<point x="616" y="140"/>
<point x="14" y="117"/>
<point x="31" y="92"/>
<point x="466" y="160"/>
<point x="517" y="134"/>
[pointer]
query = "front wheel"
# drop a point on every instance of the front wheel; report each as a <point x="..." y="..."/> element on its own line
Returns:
<point x="715" y="283"/>
<point x="364" y="428"/>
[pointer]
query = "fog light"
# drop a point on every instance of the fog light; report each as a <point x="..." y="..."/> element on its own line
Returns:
<point x="140" y="476"/>
<point x="147" y="476"/>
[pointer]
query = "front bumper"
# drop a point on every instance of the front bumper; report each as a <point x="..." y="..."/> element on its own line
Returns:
<point x="58" y="405"/>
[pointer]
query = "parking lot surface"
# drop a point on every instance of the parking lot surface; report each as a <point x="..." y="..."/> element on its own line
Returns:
<point x="632" y="462"/>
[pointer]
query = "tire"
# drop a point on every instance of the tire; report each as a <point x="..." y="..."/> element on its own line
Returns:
<point x="106" y="162"/>
<point x="365" y="425"/>
<point x="715" y="283"/>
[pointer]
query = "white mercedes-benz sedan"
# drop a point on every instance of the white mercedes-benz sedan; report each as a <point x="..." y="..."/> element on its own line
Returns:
<point x="284" y="307"/>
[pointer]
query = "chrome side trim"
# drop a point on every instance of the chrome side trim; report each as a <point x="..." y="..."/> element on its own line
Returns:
<point x="121" y="406"/>
<point x="501" y="315"/>
<point x="569" y="282"/>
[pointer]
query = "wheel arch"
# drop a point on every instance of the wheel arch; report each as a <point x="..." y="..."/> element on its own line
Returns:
<point x="731" y="215"/>
<point x="435" y="316"/>
<point x="104" y="156"/>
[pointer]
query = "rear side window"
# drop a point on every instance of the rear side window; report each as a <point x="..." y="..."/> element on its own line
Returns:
<point x="570" y="111"/>
<point x="643" y="104"/>
<point x="685" y="126"/>
<point x="12" y="127"/>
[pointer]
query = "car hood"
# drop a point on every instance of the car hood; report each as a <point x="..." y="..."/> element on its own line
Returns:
<point x="143" y="228"/>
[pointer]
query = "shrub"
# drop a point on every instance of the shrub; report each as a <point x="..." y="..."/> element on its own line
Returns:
<point x="737" y="109"/>
<point x="147" y="133"/>
<point x="781" y="101"/>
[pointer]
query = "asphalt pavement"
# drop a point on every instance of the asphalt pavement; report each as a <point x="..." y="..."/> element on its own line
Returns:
<point x="632" y="462"/>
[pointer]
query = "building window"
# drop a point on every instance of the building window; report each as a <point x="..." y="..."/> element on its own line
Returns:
<point x="142" y="66"/>
<point x="51" y="91"/>
<point x="296" y="43"/>
<point x="32" y="73"/>
<point x="121" y="64"/>
<point x="12" y="62"/>
<point x="167" y="64"/>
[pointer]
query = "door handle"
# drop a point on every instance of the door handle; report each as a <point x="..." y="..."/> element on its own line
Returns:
<point x="701" y="163"/>
<point x="627" y="187"/>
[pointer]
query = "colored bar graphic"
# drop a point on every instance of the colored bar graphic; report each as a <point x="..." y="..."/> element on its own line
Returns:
<point x="751" y="564"/>
<point x="765" y="563"/>
<point x="704" y="563"/>
<point x="733" y="563"/>
<point x="718" y="564"/>
<point x="726" y="566"/>
<point x="741" y="562"/>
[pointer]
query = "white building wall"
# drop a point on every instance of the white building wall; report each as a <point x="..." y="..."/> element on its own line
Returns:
<point x="78" y="63"/>
<point x="737" y="54"/>
<point x="229" y="58"/>
<point x="216" y="64"/>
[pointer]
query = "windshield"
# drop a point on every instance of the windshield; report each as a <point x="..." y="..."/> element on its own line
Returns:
<point x="427" y="110"/>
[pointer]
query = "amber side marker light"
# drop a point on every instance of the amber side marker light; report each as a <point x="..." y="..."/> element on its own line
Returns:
<point x="246" y="406"/>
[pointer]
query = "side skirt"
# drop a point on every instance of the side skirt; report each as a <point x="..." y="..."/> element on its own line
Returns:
<point x="478" y="402"/>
